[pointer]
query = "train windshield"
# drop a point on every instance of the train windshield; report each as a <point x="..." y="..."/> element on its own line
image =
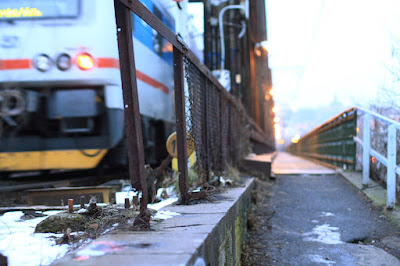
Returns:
<point x="37" y="9"/>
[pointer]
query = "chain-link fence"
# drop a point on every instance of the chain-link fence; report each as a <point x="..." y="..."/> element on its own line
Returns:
<point x="205" y="111"/>
<point x="217" y="124"/>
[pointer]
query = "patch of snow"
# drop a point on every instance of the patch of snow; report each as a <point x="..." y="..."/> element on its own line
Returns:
<point x="82" y="211"/>
<point x="120" y="196"/>
<point x="325" y="234"/>
<point x="162" y="215"/>
<point x="163" y="203"/>
<point x="326" y="214"/>
<point x="22" y="246"/>
<point x="314" y="221"/>
<point x="170" y="191"/>
<point x="111" y="228"/>
<point x="197" y="189"/>
<point x="320" y="259"/>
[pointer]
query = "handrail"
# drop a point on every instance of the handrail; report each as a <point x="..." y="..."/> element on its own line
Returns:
<point x="380" y="117"/>
<point x="331" y="142"/>
<point x="389" y="161"/>
<point x="316" y="145"/>
<point x="330" y="120"/>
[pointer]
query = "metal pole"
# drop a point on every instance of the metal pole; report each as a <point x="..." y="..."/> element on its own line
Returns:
<point x="391" y="174"/>
<point x="366" y="148"/>
<point x="221" y="30"/>
<point x="133" y="124"/>
<point x="181" y="126"/>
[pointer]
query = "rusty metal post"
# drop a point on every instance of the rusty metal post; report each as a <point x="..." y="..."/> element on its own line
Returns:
<point x="181" y="126"/>
<point x="70" y="205"/>
<point x="127" y="203"/>
<point x="133" y="125"/>
<point x="82" y="199"/>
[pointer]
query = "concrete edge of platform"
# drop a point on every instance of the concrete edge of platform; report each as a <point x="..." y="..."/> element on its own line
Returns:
<point x="374" y="192"/>
<point x="208" y="233"/>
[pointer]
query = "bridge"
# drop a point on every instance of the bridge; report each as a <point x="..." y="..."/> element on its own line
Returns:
<point x="326" y="199"/>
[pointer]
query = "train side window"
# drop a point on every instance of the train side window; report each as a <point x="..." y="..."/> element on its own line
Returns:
<point x="157" y="38"/>
<point x="133" y="21"/>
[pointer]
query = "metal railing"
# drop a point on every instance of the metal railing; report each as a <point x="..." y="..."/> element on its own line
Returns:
<point x="334" y="142"/>
<point x="331" y="142"/>
<point x="217" y="121"/>
<point x="389" y="161"/>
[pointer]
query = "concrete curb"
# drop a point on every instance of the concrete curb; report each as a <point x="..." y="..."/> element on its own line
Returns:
<point x="202" y="234"/>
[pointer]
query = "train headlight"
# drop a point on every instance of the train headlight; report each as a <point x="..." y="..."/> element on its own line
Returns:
<point x="84" y="61"/>
<point x="43" y="62"/>
<point x="63" y="62"/>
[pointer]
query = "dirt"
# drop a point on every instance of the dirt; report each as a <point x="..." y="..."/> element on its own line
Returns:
<point x="255" y="246"/>
<point x="92" y="224"/>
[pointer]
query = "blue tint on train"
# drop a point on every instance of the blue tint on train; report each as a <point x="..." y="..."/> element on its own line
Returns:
<point x="149" y="37"/>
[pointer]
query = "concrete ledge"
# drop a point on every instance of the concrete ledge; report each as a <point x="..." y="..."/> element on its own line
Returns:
<point x="210" y="233"/>
<point x="259" y="164"/>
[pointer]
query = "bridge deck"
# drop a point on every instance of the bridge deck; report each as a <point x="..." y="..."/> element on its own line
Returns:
<point x="310" y="215"/>
<point x="286" y="163"/>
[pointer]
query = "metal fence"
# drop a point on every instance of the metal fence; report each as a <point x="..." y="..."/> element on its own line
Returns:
<point x="340" y="142"/>
<point x="215" y="119"/>
<point x="332" y="142"/>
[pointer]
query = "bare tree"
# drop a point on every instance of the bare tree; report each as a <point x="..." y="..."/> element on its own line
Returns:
<point x="390" y="92"/>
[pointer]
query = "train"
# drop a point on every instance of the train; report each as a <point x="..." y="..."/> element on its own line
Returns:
<point x="61" y="104"/>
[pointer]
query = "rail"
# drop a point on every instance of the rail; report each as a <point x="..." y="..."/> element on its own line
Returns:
<point x="217" y="121"/>
<point x="335" y="141"/>
<point x="331" y="142"/>
<point x="389" y="161"/>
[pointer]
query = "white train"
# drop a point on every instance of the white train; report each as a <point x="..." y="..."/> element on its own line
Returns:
<point x="61" y="102"/>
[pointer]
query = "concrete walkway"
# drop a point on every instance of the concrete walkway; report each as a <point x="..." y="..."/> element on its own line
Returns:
<point x="313" y="216"/>
<point x="320" y="219"/>
<point x="286" y="163"/>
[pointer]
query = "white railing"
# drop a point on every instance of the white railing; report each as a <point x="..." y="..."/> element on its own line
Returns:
<point x="389" y="161"/>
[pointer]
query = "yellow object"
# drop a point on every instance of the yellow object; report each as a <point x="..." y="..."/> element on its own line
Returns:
<point x="296" y="138"/>
<point x="22" y="12"/>
<point x="192" y="161"/>
<point x="172" y="146"/>
<point x="175" y="164"/>
<point x="45" y="160"/>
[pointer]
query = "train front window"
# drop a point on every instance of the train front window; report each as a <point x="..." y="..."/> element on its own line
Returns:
<point x="38" y="9"/>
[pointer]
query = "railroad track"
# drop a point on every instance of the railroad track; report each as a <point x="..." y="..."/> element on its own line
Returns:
<point x="14" y="189"/>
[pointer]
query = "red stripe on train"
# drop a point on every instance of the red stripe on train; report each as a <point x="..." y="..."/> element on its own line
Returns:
<point x="114" y="63"/>
<point x="152" y="82"/>
<point x="9" y="64"/>
<point x="103" y="62"/>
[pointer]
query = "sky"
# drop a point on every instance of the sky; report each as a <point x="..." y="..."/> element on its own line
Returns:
<point x="328" y="55"/>
<point x="320" y="49"/>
